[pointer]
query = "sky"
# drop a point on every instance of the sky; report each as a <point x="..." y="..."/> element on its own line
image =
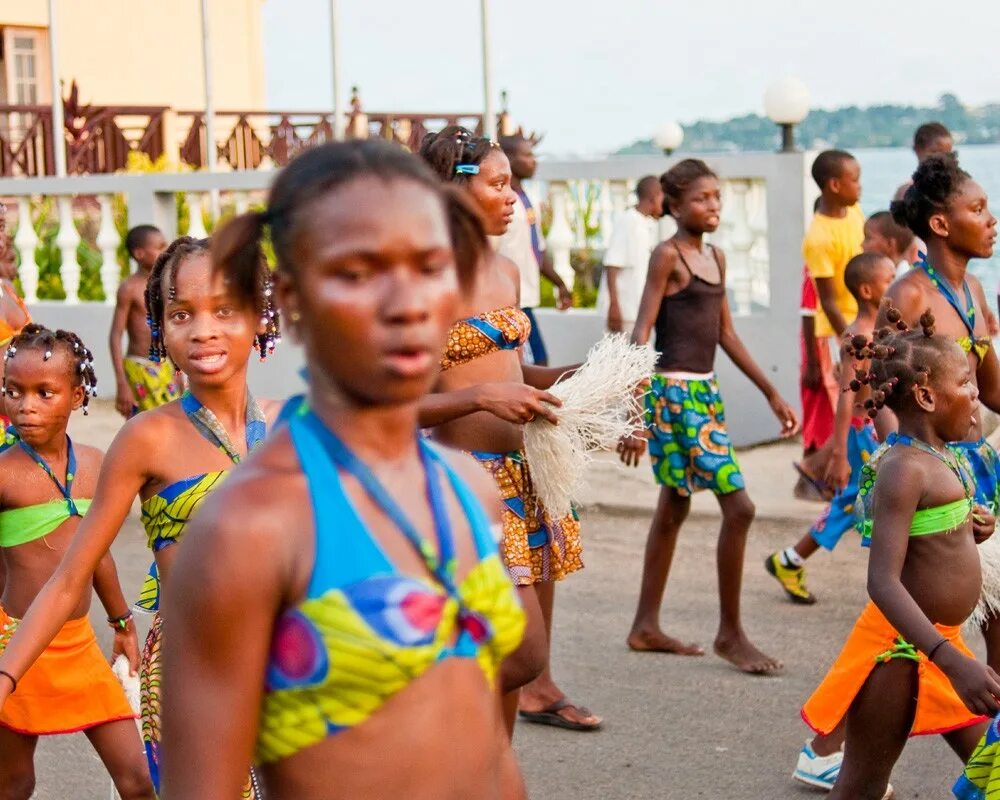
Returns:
<point x="594" y="75"/>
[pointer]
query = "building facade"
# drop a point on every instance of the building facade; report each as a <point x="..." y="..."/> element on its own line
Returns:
<point x="133" y="52"/>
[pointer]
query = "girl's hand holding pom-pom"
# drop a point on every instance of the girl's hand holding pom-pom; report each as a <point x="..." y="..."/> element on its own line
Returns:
<point x="983" y="524"/>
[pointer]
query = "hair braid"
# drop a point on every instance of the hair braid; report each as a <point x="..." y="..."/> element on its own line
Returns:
<point x="165" y="272"/>
<point x="37" y="337"/>
<point x="899" y="359"/>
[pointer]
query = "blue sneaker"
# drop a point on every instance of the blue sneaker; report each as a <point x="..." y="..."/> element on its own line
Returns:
<point x="818" y="771"/>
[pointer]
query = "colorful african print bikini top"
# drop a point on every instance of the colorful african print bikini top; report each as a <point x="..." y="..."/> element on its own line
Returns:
<point x="971" y="343"/>
<point x="501" y="329"/>
<point x="166" y="514"/>
<point x="28" y="523"/>
<point x="366" y="631"/>
<point x="926" y="521"/>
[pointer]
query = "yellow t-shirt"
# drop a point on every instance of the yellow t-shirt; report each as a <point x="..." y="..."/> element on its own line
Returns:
<point x="829" y="244"/>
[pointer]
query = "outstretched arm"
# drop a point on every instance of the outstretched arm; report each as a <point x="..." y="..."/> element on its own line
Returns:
<point x="123" y="474"/>
<point x="109" y="592"/>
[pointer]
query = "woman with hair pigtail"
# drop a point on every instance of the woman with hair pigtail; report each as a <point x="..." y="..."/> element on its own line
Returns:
<point x="172" y="457"/>
<point x="904" y="670"/>
<point x="480" y="404"/>
<point x="950" y="212"/>
<point x="354" y="640"/>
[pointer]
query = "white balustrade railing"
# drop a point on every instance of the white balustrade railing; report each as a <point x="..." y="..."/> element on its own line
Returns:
<point x="582" y="193"/>
<point x="765" y="197"/>
<point x="88" y="203"/>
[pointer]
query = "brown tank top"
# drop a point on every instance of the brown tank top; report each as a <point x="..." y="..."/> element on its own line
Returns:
<point x="688" y="322"/>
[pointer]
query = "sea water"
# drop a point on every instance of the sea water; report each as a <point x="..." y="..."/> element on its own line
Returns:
<point x="884" y="169"/>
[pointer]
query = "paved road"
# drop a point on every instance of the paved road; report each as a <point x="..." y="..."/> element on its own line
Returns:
<point x="676" y="728"/>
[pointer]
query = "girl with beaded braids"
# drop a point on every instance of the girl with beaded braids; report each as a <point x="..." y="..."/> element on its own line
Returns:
<point x="482" y="398"/>
<point x="46" y="482"/>
<point x="904" y="670"/>
<point x="950" y="212"/>
<point x="172" y="457"/>
<point x="357" y="652"/>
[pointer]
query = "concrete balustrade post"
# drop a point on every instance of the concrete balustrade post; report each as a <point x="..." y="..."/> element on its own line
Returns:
<point x="607" y="209"/>
<point x="26" y="242"/>
<point x="560" y="238"/>
<point x="107" y="242"/>
<point x="196" y="225"/>
<point x="67" y="240"/>
<point x="740" y="241"/>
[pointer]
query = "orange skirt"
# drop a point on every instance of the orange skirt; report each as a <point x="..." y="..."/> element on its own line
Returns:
<point x="874" y="641"/>
<point x="69" y="688"/>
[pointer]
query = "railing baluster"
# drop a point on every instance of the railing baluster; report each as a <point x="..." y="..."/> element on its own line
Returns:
<point x="607" y="210"/>
<point x="67" y="240"/>
<point x="107" y="242"/>
<point x="560" y="238"/>
<point x="242" y="200"/>
<point x="740" y="242"/>
<point x="26" y="242"/>
<point x="196" y="225"/>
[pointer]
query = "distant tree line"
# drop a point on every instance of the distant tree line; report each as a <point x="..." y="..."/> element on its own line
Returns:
<point x="875" y="126"/>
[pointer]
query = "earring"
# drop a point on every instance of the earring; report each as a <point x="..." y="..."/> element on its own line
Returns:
<point x="296" y="316"/>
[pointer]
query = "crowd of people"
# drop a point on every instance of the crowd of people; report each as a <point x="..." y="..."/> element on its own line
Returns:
<point x="361" y="580"/>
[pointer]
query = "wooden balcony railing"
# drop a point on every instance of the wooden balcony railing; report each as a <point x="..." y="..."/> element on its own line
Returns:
<point x="250" y="137"/>
<point x="98" y="139"/>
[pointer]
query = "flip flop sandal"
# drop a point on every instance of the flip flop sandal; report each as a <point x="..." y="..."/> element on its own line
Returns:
<point x="818" y="484"/>
<point x="550" y="716"/>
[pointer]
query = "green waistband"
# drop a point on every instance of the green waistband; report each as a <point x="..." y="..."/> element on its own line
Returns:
<point x="940" y="518"/>
<point x="23" y="525"/>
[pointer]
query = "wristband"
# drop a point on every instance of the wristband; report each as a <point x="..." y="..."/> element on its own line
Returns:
<point x="13" y="680"/>
<point x="120" y="623"/>
<point x="934" y="649"/>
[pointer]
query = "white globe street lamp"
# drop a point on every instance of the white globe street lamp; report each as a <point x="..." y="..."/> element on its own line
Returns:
<point x="786" y="102"/>
<point x="668" y="137"/>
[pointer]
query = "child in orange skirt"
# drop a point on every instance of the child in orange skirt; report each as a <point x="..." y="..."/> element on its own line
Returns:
<point x="904" y="670"/>
<point x="45" y="486"/>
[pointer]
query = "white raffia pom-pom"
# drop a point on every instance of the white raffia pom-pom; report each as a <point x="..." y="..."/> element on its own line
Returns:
<point x="599" y="406"/>
<point x="989" y="598"/>
<point x="130" y="683"/>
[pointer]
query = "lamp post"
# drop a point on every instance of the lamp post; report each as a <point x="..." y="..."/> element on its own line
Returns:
<point x="338" y="96"/>
<point x="786" y="102"/>
<point x="58" y="123"/>
<point x="489" y="111"/>
<point x="668" y="137"/>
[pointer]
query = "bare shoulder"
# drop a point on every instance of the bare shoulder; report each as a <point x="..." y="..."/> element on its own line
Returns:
<point x="508" y="268"/>
<point x="900" y="474"/>
<point x="663" y="259"/>
<point x="907" y="292"/>
<point x="87" y="456"/>
<point x="134" y="286"/>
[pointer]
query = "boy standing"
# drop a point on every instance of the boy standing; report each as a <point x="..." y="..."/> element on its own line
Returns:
<point x="867" y="277"/>
<point x="626" y="260"/>
<point x="142" y="384"/>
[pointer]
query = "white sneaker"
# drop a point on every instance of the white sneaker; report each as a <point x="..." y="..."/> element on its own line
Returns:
<point x="822" y="771"/>
<point x="818" y="771"/>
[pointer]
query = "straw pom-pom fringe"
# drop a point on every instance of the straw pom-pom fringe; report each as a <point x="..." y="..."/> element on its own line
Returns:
<point x="600" y="406"/>
<point x="989" y="599"/>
